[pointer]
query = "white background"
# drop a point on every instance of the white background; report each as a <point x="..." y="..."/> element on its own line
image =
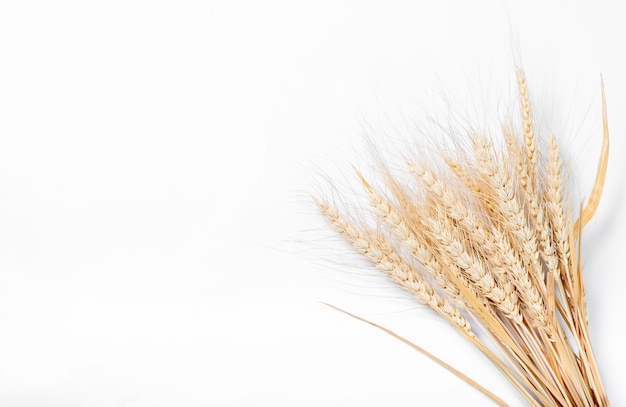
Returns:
<point x="158" y="245"/>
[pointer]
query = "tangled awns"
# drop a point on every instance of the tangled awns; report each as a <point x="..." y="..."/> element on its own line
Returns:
<point x="487" y="238"/>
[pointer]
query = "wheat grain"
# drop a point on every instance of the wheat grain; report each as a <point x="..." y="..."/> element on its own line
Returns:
<point x="480" y="234"/>
<point x="377" y="249"/>
<point x="410" y="241"/>
<point x="553" y="197"/>
<point x="527" y="122"/>
<point x="507" y="202"/>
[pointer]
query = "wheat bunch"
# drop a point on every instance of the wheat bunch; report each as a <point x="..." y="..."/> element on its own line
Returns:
<point x="487" y="241"/>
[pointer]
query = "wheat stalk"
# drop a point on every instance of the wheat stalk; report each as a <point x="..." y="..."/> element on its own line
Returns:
<point x="489" y="238"/>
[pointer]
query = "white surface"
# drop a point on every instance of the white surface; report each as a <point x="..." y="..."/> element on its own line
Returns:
<point x="157" y="242"/>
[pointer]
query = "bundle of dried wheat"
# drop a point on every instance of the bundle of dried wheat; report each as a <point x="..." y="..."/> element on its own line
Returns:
<point x="487" y="241"/>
